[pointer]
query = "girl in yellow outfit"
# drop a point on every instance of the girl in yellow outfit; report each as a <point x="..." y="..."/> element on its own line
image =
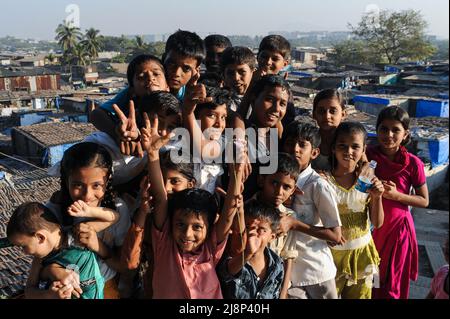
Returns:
<point x="357" y="259"/>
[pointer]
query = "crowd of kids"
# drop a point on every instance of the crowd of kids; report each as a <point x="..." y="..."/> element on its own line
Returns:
<point x="144" y="212"/>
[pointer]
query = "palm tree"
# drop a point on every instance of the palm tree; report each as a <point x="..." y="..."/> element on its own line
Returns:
<point x="50" y="57"/>
<point x="67" y="36"/>
<point x="79" y="56"/>
<point x="91" y="43"/>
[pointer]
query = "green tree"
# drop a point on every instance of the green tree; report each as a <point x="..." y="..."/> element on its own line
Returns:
<point x="441" y="50"/>
<point x="91" y="43"/>
<point x="395" y="35"/>
<point x="351" y="52"/>
<point x="157" y="48"/>
<point x="68" y="37"/>
<point x="79" y="55"/>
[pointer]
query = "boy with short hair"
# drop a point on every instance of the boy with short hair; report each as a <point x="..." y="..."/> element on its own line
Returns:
<point x="35" y="228"/>
<point x="238" y="65"/>
<point x="275" y="190"/>
<point x="316" y="221"/>
<point x="184" y="53"/>
<point x="215" y="44"/>
<point x="274" y="55"/>
<point x="258" y="272"/>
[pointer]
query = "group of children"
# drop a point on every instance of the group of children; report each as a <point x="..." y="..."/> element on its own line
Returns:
<point x="131" y="219"/>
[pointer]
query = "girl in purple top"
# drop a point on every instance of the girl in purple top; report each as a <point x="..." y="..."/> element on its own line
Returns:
<point x="400" y="171"/>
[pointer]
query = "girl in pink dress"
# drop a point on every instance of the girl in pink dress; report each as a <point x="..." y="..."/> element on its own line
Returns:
<point x="400" y="171"/>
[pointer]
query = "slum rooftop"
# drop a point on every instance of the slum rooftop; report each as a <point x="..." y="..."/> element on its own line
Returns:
<point x="22" y="184"/>
<point x="50" y="134"/>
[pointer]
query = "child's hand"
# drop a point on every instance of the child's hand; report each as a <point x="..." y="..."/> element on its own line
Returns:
<point x="133" y="148"/>
<point x="195" y="94"/>
<point x="340" y="241"/>
<point x="87" y="237"/>
<point x="58" y="291"/>
<point x="377" y="189"/>
<point x="390" y="190"/>
<point x="285" y="225"/>
<point x="253" y="243"/>
<point x="322" y="174"/>
<point x="127" y="130"/>
<point x="79" y="209"/>
<point x="151" y="140"/>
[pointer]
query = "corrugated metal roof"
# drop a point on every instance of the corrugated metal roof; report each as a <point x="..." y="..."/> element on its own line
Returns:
<point x="50" y="134"/>
<point x="10" y="72"/>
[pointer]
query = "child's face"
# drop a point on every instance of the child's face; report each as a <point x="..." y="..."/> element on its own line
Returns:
<point x="214" y="121"/>
<point x="37" y="245"/>
<point x="213" y="56"/>
<point x="168" y="122"/>
<point x="303" y="151"/>
<point x="179" y="69"/>
<point x="277" y="188"/>
<point x="391" y="134"/>
<point x="328" y="114"/>
<point x="189" y="230"/>
<point x="149" y="77"/>
<point x="349" y="149"/>
<point x="175" y="182"/>
<point x="271" y="62"/>
<point x="263" y="230"/>
<point x="238" y="77"/>
<point x="88" y="184"/>
<point x="270" y="106"/>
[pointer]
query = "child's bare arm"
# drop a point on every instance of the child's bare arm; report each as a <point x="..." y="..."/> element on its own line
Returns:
<point x="152" y="143"/>
<point x="65" y="282"/>
<point x="332" y="234"/>
<point x="376" y="203"/>
<point x="287" y="278"/>
<point x="105" y="217"/>
<point x="252" y="246"/>
<point x="196" y="94"/>
<point x="420" y="199"/>
<point x="32" y="290"/>
<point x="233" y="201"/>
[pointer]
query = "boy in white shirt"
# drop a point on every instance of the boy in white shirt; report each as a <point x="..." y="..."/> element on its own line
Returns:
<point x="316" y="222"/>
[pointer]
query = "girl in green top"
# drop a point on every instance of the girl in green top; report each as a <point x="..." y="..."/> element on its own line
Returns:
<point x="357" y="259"/>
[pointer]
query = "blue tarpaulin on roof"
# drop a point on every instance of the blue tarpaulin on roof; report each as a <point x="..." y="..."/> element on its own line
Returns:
<point x="438" y="151"/>
<point x="431" y="108"/>
<point x="301" y="74"/>
<point x="371" y="100"/>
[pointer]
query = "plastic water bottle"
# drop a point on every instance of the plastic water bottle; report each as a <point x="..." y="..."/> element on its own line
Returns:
<point x="365" y="178"/>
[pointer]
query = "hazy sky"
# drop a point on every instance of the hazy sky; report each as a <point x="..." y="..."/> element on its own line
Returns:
<point x="39" y="19"/>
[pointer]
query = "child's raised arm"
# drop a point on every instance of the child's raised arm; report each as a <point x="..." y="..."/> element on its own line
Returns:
<point x="252" y="246"/>
<point x="196" y="94"/>
<point x="233" y="201"/>
<point x="152" y="143"/>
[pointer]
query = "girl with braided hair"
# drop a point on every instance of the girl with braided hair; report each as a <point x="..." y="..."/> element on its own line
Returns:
<point x="86" y="176"/>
